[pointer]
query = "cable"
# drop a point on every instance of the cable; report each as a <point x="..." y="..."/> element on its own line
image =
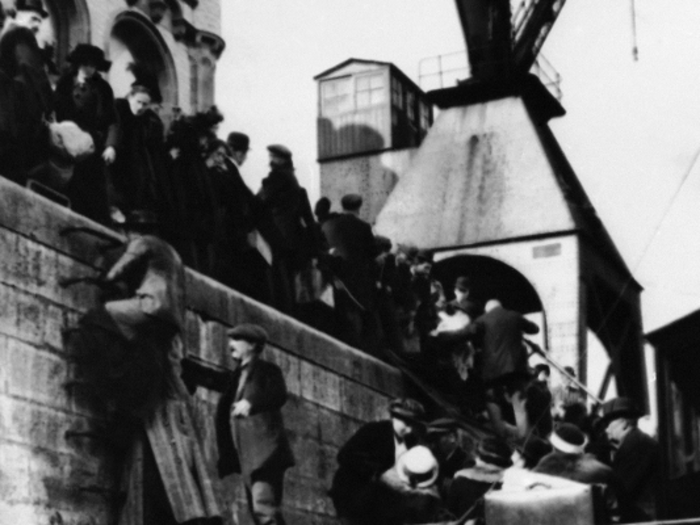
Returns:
<point x="635" y="50"/>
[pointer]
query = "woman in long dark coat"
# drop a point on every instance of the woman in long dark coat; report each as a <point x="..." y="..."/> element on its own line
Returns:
<point x="137" y="175"/>
<point x="195" y="217"/>
<point x="84" y="97"/>
<point x="293" y="240"/>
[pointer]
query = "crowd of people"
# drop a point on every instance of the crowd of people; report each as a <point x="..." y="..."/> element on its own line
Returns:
<point x="113" y="160"/>
<point x="407" y="469"/>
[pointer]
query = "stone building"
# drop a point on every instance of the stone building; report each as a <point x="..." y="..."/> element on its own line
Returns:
<point x="179" y="41"/>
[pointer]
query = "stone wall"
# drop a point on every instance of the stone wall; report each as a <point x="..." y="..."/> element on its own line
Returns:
<point x="552" y="266"/>
<point x="48" y="475"/>
<point x="373" y="176"/>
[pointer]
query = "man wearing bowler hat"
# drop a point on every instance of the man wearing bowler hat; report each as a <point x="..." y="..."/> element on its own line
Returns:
<point x="249" y="427"/>
<point x="635" y="459"/>
<point x="371" y="451"/>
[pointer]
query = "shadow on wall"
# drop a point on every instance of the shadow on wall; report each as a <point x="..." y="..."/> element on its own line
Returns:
<point x="351" y="163"/>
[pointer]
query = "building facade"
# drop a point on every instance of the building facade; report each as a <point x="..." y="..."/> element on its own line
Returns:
<point x="179" y="41"/>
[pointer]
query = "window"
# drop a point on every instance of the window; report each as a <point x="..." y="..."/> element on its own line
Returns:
<point x="424" y="116"/>
<point x="396" y="93"/>
<point x="336" y="96"/>
<point x="369" y="90"/>
<point x="411" y="105"/>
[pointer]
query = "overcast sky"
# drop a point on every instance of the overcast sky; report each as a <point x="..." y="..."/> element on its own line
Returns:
<point x="632" y="129"/>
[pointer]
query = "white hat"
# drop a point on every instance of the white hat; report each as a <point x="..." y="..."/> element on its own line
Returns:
<point x="417" y="467"/>
<point x="567" y="438"/>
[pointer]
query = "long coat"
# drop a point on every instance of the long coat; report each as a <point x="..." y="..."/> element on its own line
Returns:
<point x="636" y="463"/>
<point x="367" y="454"/>
<point x="258" y="441"/>
<point x="354" y="244"/>
<point x="13" y="128"/>
<point x="172" y="431"/>
<point x="500" y="332"/>
<point x="90" y="106"/>
<point x="138" y="173"/>
<point x="21" y="60"/>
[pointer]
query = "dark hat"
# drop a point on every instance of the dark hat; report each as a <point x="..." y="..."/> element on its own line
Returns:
<point x="463" y="283"/>
<point x="442" y="425"/>
<point x="238" y="141"/>
<point x="248" y="332"/>
<point x="351" y="201"/>
<point x="88" y="54"/>
<point x="542" y="367"/>
<point x="280" y="150"/>
<point x="620" y="407"/>
<point x="32" y="5"/>
<point x="406" y="408"/>
<point x="569" y="439"/>
<point x="495" y="451"/>
<point x="215" y="144"/>
<point x="136" y="218"/>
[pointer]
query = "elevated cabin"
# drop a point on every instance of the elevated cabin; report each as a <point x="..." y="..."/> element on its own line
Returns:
<point x="365" y="106"/>
<point x="371" y="117"/>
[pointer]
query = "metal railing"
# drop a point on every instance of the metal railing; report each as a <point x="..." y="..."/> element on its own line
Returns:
<point x="449" y="69"/>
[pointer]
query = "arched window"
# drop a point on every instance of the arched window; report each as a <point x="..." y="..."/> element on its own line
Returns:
<point x="134" y="39"/>
<point x="68" y="24"/>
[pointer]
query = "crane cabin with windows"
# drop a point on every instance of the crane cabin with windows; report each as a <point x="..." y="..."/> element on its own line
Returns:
<point x="371" y="117"/>
<point x="366" y="105"/>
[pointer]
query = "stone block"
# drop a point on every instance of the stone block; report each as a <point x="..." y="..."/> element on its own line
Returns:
<point x="320" y="386"/>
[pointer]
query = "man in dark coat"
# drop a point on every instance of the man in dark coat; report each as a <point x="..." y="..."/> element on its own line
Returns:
<point x="248" y="271"/>
<point x="353" y="249"/>
<point x="22" y="60"/>
<point x="249" y="427"/>
<point x="291" y="230"/>
<point x="500" y="331"/>
<point x="636" y="460"/>
<point x="568" y="459"/>
<point x="372" y="450"/>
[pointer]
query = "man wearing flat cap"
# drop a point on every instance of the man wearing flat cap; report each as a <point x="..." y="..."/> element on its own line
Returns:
<point x="370" y="452"/>
<point x="249" y="426"/>
<point x="354" y="252"/>
<point x="635" y="461"/>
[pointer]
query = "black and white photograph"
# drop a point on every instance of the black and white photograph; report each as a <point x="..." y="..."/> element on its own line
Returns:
<point x="332" y="262"/>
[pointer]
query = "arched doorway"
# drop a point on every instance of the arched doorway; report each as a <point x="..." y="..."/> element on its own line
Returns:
<point x="494" y="279"/>
<point x="67" y="25"/>
<point x="491" y="279"/>
<point x="134" y="39"/>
